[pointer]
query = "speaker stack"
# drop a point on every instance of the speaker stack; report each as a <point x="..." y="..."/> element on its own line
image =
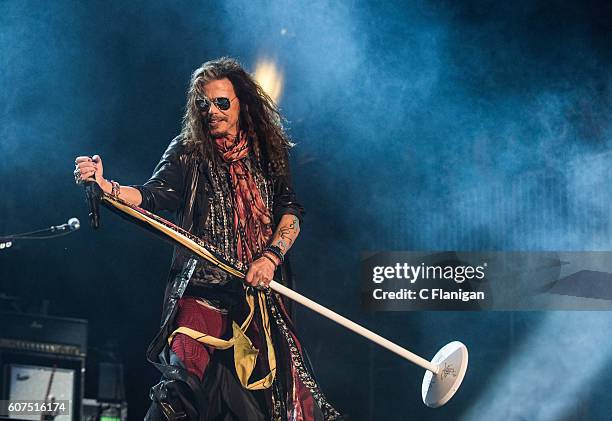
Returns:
<point x="43" y="357"/>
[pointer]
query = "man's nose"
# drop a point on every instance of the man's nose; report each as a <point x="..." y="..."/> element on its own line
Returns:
<point x="214" y="110"/>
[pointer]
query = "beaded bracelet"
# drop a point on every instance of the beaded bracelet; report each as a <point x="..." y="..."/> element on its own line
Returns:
<point x="275" y="250"/>
<point x="116" y="189"/>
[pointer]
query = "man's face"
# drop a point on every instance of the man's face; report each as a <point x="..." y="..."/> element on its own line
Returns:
<point x="222" y="122"/>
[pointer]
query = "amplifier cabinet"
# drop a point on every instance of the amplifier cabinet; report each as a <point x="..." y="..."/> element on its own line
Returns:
<point x="40" y="353"/>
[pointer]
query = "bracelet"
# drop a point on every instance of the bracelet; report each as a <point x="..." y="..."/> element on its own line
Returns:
<point x="116" y="189"/>
<point x="270" y="259"/>
<point x="275" y="250"/>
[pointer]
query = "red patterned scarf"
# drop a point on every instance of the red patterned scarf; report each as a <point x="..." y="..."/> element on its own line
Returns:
<point x="252" y="220"/>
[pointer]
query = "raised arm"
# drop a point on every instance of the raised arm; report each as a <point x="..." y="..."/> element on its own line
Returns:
<point x="163" y="191"/>
<point x="91" y="168"/>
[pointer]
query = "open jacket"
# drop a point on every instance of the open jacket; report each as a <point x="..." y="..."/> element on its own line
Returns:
<point x="181" y="184"/>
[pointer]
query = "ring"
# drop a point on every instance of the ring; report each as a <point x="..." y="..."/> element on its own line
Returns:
<point x="262" y="284"/>
<point x="77" y="176"/>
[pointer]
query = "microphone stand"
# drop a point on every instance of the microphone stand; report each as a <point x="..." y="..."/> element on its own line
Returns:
<point x="41" y="234"/>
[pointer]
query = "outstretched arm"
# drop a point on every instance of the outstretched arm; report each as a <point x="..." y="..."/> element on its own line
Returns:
<point x="163" y="191"/>
<point x="91" y="168"/>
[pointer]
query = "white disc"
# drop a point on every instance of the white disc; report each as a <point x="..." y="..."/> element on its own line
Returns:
<point x="453" y="361"/>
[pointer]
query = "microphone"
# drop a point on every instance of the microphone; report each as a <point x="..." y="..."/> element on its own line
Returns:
<point x="73" y="224"/>
<point x="93" y="195"/>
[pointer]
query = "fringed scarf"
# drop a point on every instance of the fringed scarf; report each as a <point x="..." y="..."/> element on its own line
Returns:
<point x="252" y="220"/>
<point x="302" y="400"/>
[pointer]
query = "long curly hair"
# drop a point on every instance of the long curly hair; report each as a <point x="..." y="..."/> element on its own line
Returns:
<point x="259" y="116"/>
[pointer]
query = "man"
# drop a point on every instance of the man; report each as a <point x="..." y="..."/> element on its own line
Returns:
<point x="227" y="350"/>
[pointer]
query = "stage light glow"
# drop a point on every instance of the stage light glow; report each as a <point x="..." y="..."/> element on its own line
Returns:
<point x="551" y="373"/>
<point x="269" y="76"/>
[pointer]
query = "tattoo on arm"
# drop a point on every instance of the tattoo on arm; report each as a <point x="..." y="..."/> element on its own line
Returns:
<point x="282" y="245"/>
<point x="295" y="224"/>
<point x="287" y="234"/>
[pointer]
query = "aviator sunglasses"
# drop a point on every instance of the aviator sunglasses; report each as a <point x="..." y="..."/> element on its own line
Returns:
<point x="221" y="103"/>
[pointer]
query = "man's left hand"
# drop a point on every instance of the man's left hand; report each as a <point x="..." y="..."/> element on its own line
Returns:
<point x="260" y="273"/>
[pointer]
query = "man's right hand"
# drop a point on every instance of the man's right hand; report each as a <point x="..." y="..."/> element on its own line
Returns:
<point x="91" y="169"/>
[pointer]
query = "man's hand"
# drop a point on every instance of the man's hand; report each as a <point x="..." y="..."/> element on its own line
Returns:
<point x="260" y="273"/>
<point x="91" y="169"/>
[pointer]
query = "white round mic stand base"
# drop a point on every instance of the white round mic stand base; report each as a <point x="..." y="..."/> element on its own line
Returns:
<point x="452" y="361"/>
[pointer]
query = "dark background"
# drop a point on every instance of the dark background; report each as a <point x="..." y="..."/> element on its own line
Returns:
<point x="470" y="125"/>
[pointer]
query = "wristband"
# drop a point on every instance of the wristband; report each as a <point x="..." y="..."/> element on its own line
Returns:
<point x="275" y="250"/>
<point x="270" y="259"/>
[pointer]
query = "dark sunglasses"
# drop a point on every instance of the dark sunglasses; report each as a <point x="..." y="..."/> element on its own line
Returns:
<point x="221" y="103"/>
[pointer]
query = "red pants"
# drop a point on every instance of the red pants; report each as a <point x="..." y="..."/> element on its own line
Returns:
<point x="193" y="315"/>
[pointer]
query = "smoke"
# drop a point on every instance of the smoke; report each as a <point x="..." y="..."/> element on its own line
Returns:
<point x="441" y="108"/>
<point x="549" y="374"/>
<point x="441" y="125"/>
